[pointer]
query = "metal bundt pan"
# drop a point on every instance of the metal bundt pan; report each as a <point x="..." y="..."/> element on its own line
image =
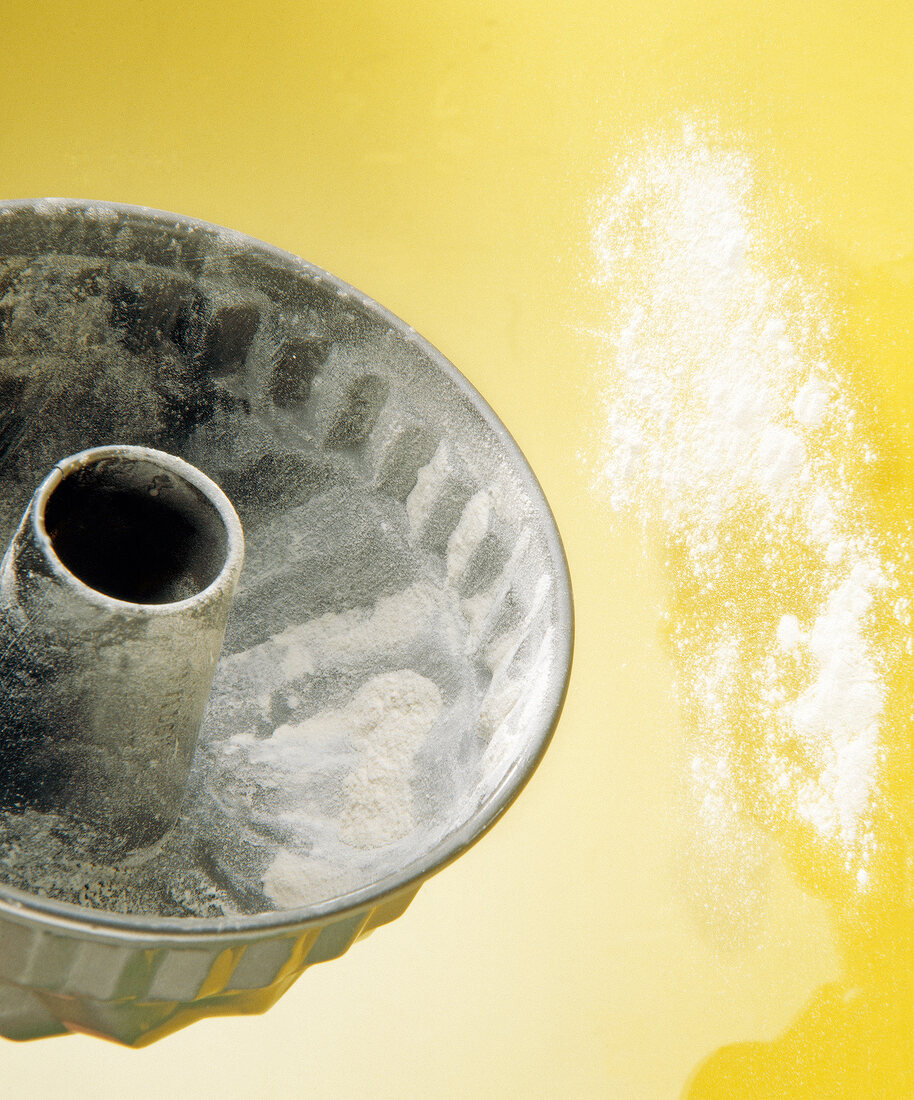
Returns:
<point x="315" y="410"/>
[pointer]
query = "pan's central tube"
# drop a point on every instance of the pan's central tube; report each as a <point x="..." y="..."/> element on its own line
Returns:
<point x="133" y="531"/>
<point x="114" y="595"/>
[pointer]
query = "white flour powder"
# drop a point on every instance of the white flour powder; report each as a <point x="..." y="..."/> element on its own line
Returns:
<point x="385" y="723"/>
<point x="390" y="717"/>
<point x="335" y="780"/>
<point x="726" y="427"/>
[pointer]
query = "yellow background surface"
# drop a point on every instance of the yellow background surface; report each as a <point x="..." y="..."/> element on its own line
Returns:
<point x="445" y="159"/>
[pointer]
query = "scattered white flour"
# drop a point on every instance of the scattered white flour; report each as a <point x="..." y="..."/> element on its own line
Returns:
<point x="287" y="879"/>
<point x="726" y="427"/>
<point x="390" y="716"/>
<point x="383" y="725"/>
<point x="467" y="536"/>
<point x="339" y="772"/>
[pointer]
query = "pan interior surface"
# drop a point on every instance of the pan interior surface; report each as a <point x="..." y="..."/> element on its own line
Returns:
<point x="399" y="643"/>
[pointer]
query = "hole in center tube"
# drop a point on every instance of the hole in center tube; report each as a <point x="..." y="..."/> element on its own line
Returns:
<point x="134" y="530"/>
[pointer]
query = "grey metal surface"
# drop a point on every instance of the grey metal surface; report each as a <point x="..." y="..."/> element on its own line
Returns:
<point x="364" y="467"/>
<point x="114" y="595"/>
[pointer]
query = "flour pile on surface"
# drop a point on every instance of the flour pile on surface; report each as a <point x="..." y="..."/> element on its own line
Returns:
<point x="726" y="426"/>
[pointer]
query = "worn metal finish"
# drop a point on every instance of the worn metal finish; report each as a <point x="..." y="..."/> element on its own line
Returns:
<point x="136" y="986"/>
<point x="114" y="595"/>
<point x="286" y="387"/>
